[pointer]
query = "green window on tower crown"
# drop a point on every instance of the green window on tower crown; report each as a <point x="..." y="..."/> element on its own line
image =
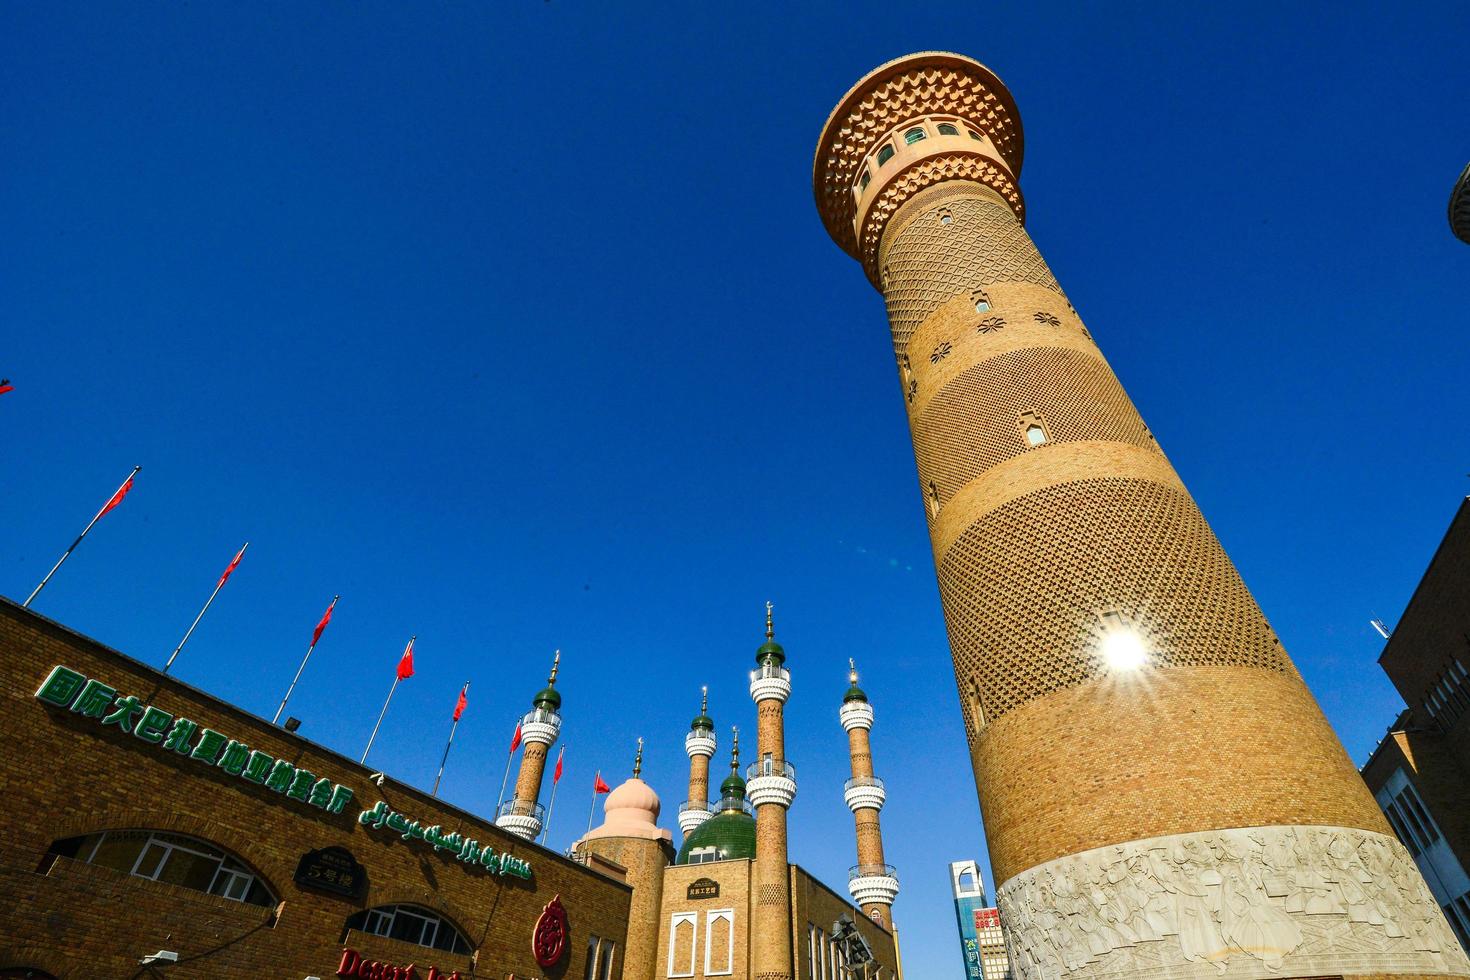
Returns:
<point x="863" y="183"/>
<point x="885" y="154"/>
<point x="948" y="129"/>
<point x="914" y="135"/>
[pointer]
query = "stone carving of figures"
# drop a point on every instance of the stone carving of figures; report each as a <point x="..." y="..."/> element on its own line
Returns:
<point x="1195" y="904"/>
<point x="1250" y="921"/>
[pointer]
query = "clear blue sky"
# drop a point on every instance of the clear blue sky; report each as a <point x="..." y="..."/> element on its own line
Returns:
<point x="515" y="325"/>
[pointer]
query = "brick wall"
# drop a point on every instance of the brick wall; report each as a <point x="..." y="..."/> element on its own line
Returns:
<point x="67" y="775"/>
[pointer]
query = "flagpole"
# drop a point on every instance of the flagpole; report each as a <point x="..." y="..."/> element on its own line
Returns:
<point x="190" y="631"/>
<point x="397" y="676"/>
<point x="592" y="810"/>
<point x="301" y="668"/>
<point x="452" y="729"/>
<point x="551" y="807"/>
<point x="67" y="553"/>
<point x="504" y="779"/>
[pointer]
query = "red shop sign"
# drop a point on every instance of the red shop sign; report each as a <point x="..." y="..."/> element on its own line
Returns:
<point x="353" y="965"/>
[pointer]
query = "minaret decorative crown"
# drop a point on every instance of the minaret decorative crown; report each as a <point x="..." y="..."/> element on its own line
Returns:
<point x="638" y="759"/>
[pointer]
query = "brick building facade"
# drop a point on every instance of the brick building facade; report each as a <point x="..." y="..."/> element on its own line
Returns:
<point x="1420" y="772"/>
<point x="142" y="815"/>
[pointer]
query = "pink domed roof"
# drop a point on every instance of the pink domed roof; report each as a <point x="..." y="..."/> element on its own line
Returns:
<point x="631" y="810"/>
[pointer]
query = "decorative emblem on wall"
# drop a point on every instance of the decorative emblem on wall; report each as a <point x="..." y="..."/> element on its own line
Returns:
<point x="549" y="938"/>
<point x="1047" y="320"/>
<point x="940" y="352"/>
<point x="990" y="324"/>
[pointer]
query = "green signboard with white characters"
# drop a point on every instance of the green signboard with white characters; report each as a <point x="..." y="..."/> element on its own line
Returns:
<point x="91" y="698"/>
<point x="467" y="849"/>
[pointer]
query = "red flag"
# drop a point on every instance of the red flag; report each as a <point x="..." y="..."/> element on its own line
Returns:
<point x="405" y="662"/>
<point x="5" y="386"/>
<point x="556" y="776"/>
<point x="234" y="564"/>
<point x="463" y="700"/>
<point x="117" y="498"/>
<point x="515" y="742"/>
<point x="599" y="786"/>
<point x="316" y="634"/>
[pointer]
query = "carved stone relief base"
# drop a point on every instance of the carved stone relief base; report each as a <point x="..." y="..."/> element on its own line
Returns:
<point x="1229" y="905"/>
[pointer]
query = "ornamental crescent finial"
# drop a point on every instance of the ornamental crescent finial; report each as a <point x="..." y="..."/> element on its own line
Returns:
<point x="735" y="748"/>
<point x="851" y="671"/>
<point x="770" y="630"/>
<point x="555" y="665"/>
<point x="704" y="699"/>
<point x="638" y="760"/>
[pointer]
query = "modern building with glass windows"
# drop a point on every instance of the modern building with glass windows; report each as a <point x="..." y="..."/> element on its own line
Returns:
<point x="1420" y="772"/>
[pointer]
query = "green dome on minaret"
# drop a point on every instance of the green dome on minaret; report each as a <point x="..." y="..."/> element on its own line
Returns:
<point x="854" y="693"/>
<point x="703" y="720"/>
<point x="547" y="698"/>
<point x="731" y="831"/>
<point x="770" y="651"/>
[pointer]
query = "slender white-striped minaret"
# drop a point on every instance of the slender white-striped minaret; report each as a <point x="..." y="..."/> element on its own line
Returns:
<point x="700" y="745"/>
<point x="771" y="786"/>
<point x="872" y="882"/>
<point x="523" y="814"/>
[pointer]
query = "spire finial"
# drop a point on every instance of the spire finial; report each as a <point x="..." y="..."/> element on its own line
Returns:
<point x="638" y="760"/>
<point x="851" y="671"/>
<point x="735" y="749"/>
<point x="770" y="630"/>
<point x="704" y="699"/>
<point x="555" y="665"/>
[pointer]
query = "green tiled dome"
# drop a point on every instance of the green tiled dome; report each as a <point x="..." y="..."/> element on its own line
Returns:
<point x="731" y="834"/>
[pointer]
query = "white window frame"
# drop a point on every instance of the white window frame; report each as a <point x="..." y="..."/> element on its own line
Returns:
<point x="678" y="919"/>
<point x="710" y="918"/>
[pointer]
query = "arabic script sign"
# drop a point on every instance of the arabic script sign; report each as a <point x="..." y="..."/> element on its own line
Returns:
<point x="91" y="698"/>
<point x="466" y="849"/>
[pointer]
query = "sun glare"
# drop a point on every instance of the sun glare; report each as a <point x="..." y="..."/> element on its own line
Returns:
<point x="1123" y="649"/>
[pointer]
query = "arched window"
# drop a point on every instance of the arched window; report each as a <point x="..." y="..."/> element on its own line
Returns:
<point x="885" y="154"/>
<point x="412" y="925"/>
<point x="173" y="858"/>
<point x="864" y="180"/>
<point x="948" y="129"/>
<point x="975" y="136"/>
<point x="914" y="135"/>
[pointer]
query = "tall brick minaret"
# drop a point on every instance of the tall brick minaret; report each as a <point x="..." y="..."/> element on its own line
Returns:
<point x="700" y="746"/>
<point x="770" y="787"/>
<point x="523" y="813"/>
<point x="873" y="882"/>
<point x="1162" y="796"/>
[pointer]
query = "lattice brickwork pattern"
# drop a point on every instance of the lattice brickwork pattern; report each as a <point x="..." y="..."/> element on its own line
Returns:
<point x="928" y="262"/>
<point x="973" y="423"/>
<point x="1022" y="589"/>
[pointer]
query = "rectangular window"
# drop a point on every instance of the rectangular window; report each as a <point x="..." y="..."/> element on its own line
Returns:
<point x="1409" y="800"/>
<point x="605" y="957"/>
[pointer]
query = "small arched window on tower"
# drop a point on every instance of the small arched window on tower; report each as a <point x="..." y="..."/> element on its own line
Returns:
<point x="1034" y="429"/>
<point x="977" y="710"/>
<point x="975" y="136"/>
<point x="933" y="499"/>
<point x="864" y="180"/>
<point x="885" y="153"/>
<point x="948" y="129"/>
<point x="945" y="216"/>
<point x="981" y="301"/>
<point x="914" y="135"/>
